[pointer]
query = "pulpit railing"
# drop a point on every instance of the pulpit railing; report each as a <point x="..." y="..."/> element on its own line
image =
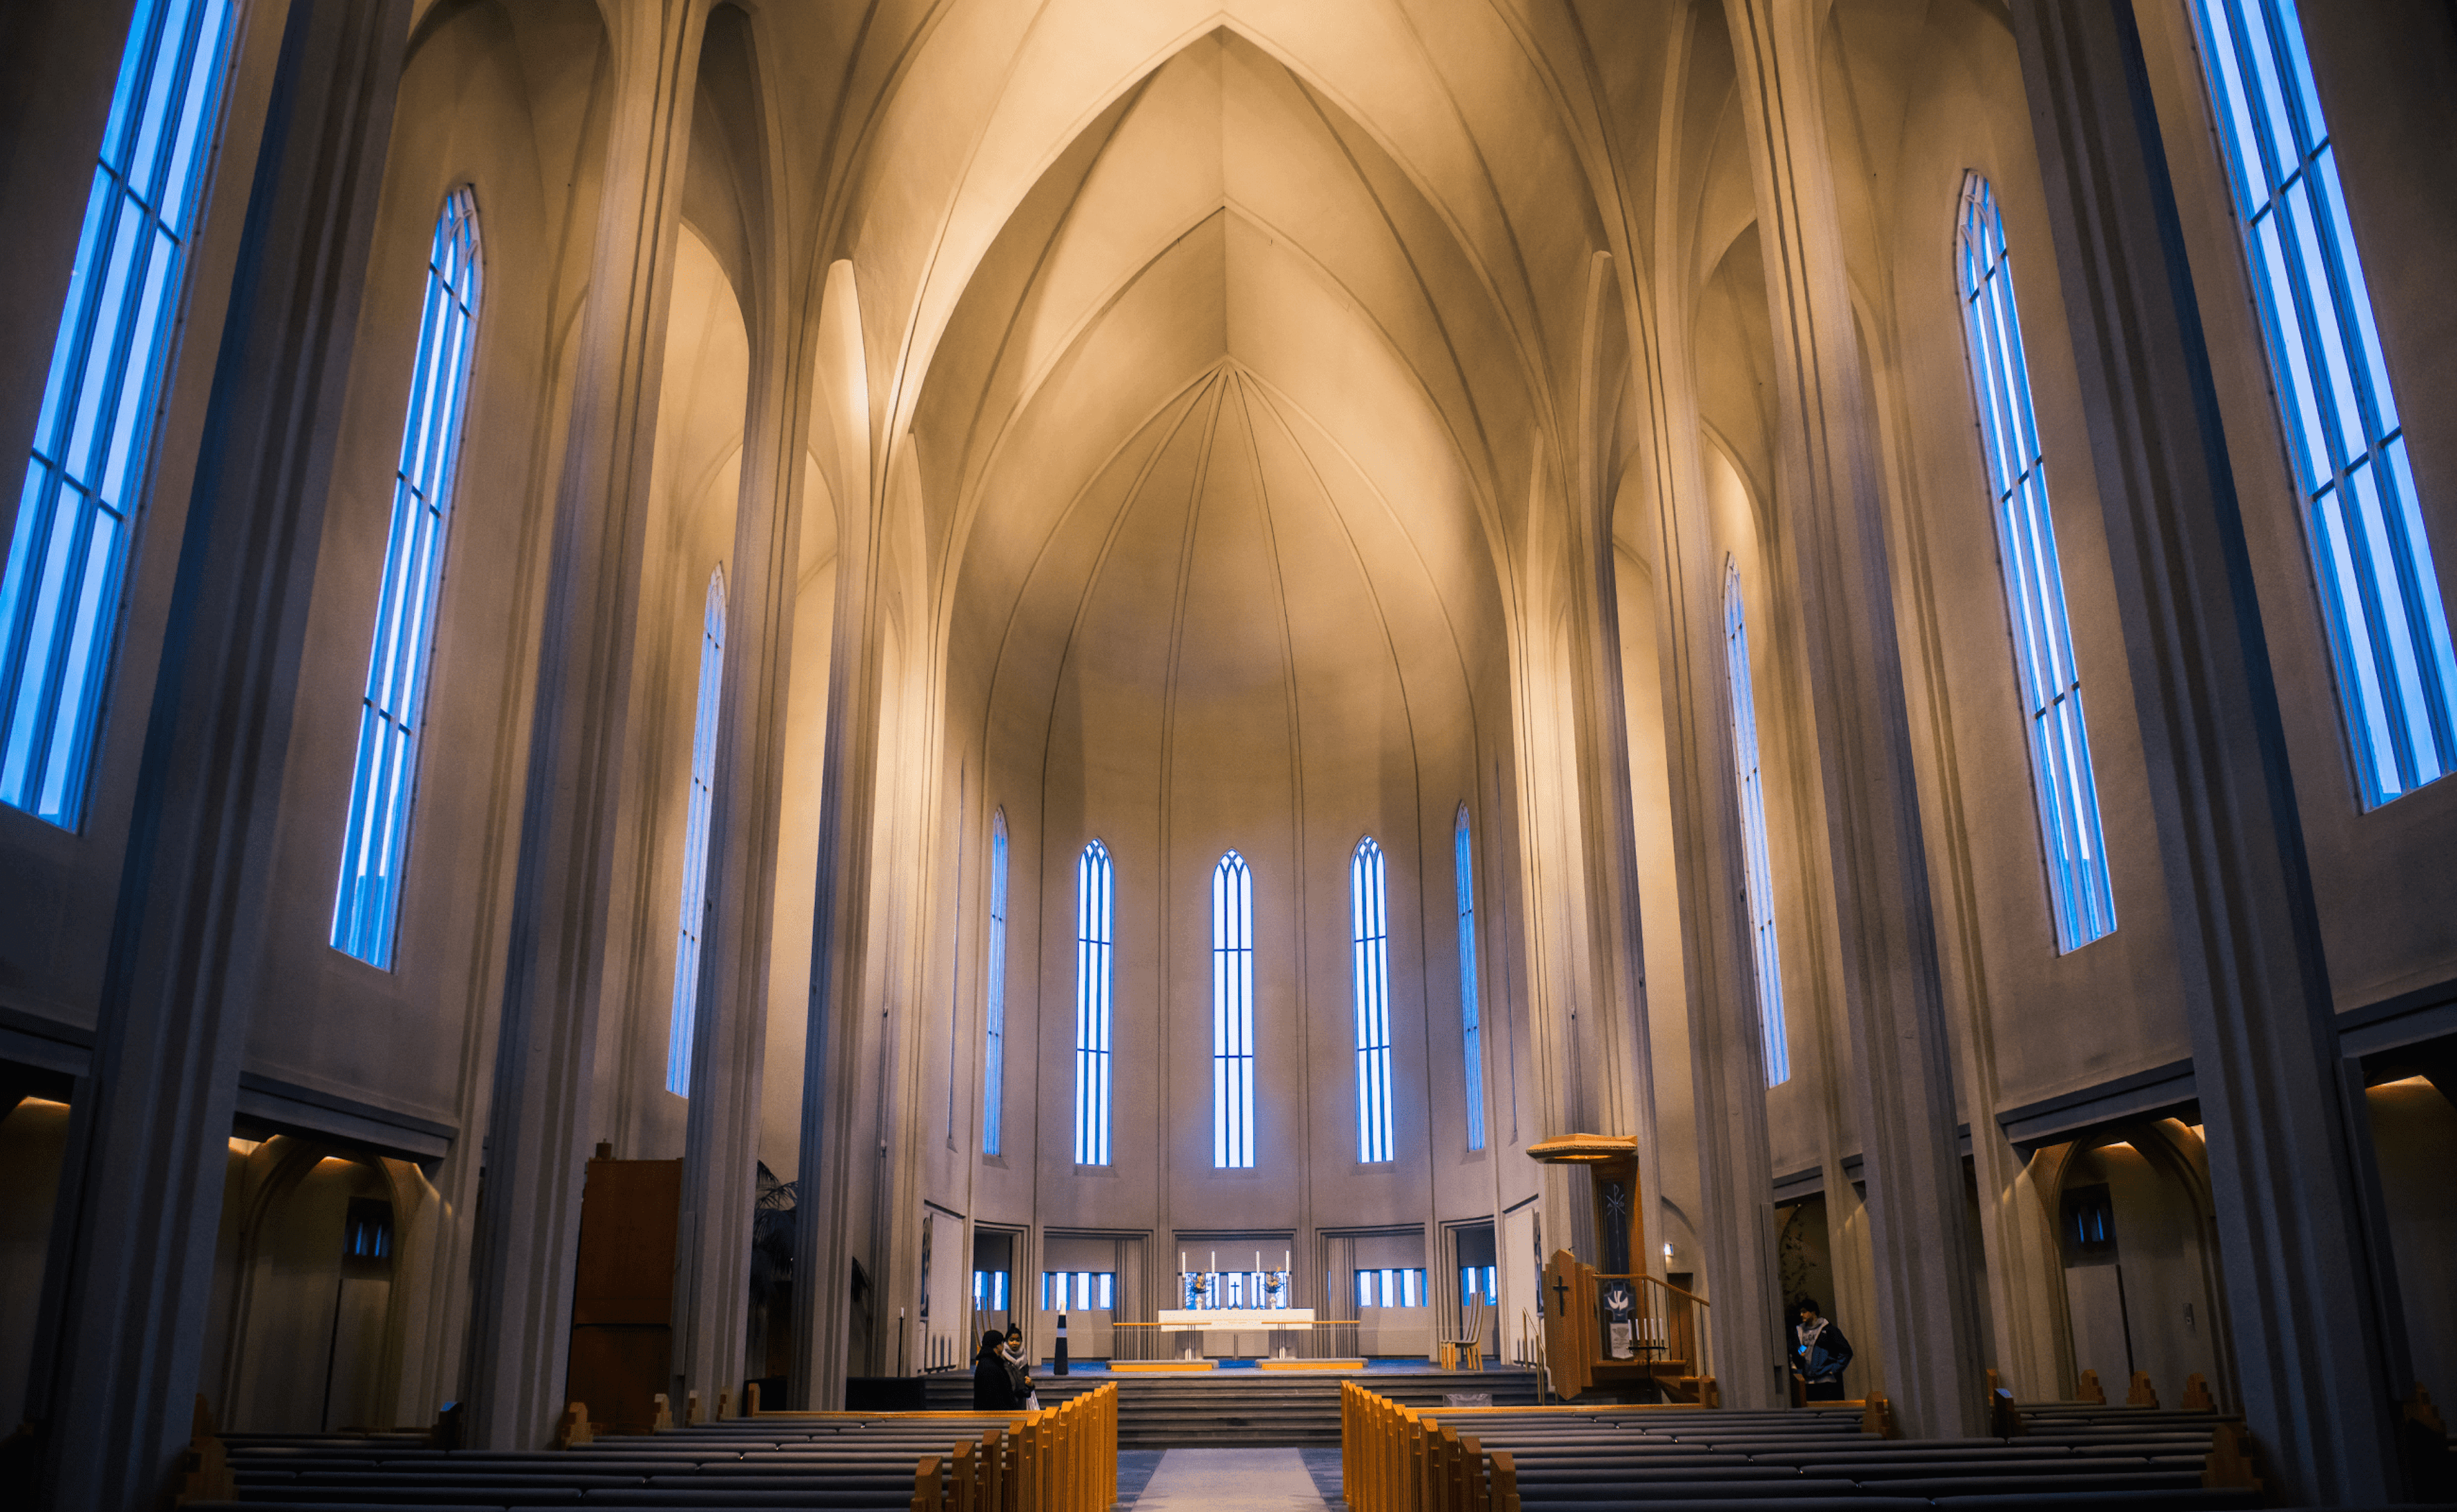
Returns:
<point x="1601" y="1327"/>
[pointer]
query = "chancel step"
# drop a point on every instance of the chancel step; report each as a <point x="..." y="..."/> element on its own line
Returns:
<point x="1221" y="1409"/>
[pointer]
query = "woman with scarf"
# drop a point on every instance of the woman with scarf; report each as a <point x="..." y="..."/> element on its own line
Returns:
<point x="1019" y="1371"/>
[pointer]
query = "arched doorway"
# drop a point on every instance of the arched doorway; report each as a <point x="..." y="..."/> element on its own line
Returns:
<point x="312" y="1297"/>
<point x="2134" y="1230"/>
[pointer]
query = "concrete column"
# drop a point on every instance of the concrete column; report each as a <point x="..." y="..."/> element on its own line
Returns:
<point x="1727" y="1054"/>
<point x="2301" y="1294"/>
<point x="1600" y="698"/>
<point x="539" y="1127"/>
<point x="837" y="1158"/>
<point x="141" y="1202"/>
<point x="1902" y="1061"/>
<point x="730" y="1039"/>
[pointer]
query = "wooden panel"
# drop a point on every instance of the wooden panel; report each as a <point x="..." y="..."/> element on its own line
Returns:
<point x="623" y="1291"/>
<point x="618" y="1373"/>
<point x="628" y="1214"/>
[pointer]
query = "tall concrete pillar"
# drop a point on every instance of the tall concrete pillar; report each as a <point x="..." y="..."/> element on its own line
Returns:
<point x="141" y="1202"/>
<point x="1834" y="511"/>
<point x="1726" y="1053"/>
<point x="837" y="1157"/>
<point x="539" y="1126"/>
<point x="730" y="1039"/>
<point x="2301" y="1299"/>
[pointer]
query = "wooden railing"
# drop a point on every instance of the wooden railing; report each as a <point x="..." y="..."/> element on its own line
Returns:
<point x="1061" y="1460"/>
<point x="1396" y="1458"/>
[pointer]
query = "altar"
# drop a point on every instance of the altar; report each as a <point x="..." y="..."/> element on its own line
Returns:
<point x="1236" y="1333"/>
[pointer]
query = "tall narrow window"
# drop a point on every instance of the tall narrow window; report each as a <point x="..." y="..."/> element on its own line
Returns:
<point x="1758" y="875"/>
<point x="703" y="794"/>
<point x="369" y="903"/>
<point x="1095" y="898"/>
<point x="1472" y="1046"/>
<point x="2083" y="898"/>
<point x="59" y="595"/>
<point x="1232" y="1013"/>
<point x="1369" y="931"/>
<point x="994" y="995"/>
<point x="2397" y="676"/>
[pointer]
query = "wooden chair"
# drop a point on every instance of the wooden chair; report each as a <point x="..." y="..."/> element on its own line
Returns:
<point x="1472" y="1346"/>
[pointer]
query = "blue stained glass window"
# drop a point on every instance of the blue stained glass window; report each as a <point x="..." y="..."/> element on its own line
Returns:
<point x="703" y="798"/>
<point x="1232" y="1013"/>
<point x="1370" y="934"/>
<point x="1472" y="1048"/>
<point x="1758" y="874"/>
<point x="59" y="595"/>
<point x="994" y="995"/>
<point x="2389" y="630"/>
<point x="1095" y="905"/>
<point x="2078" y="887"/>
<point x="1392" y="1286"/>
<point x="368" y="905"/>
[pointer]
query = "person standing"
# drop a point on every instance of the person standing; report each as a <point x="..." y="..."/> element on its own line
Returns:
<point x="993" y="1387"/>
<point x="1019" y="1371"/>
<point x="1820" y="1353"/>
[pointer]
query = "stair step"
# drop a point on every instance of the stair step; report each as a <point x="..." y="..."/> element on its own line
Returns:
<point x="1244" y="1409"/>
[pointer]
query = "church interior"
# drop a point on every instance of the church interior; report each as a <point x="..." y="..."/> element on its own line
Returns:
<point x="700" y="694"/>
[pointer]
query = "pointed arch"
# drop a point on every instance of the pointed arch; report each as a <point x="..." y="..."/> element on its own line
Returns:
<point x="1232" y="1013"/>
<point x="1471" y="1029"/>
<point x="994" y="995"/>
<point x="1370" y="965"/>
<point x="366" y="908"/>
<point x="1095" y="924"/>
<point x="1758" y="875"/>
<point x="2080" y="893"/>
<point x="703" y="793"/>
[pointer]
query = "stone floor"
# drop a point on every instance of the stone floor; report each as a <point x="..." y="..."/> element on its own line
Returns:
<point x="1229" y="1480"/>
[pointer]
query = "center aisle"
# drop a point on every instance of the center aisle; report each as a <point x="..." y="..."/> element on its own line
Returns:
<point x="1235" y="1481"/>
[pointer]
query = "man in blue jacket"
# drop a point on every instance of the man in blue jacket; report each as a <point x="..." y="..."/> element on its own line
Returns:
<point x="1819" y="1353"/>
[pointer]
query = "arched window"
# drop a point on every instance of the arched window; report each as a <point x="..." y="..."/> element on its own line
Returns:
<point x="1095" y="901"/>
<point x="1758" y="874"/>
<point x="2083" y="898"/>
<point x="59" y="595"/>
<point x="369" y="903"/>
<point x="994" y="995"/>
<point x="1463" y="867"/>
<point x="1369" y="931"/>
<point x="1232" y="1013"/>
<point x="703" y="796"/>
<point x="2379" y="593"/>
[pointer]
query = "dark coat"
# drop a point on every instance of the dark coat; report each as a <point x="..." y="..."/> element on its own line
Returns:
<point x="1824" y="1358"/>
<point x="993" y="1386"/>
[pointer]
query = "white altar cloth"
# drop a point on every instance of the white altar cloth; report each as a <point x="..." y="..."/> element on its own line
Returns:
<point x="1239" y="1319"/>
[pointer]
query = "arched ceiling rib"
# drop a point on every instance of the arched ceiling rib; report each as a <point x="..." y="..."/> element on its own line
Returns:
<point x="1223" y="214"/>
<point x="1441" y="110"/>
